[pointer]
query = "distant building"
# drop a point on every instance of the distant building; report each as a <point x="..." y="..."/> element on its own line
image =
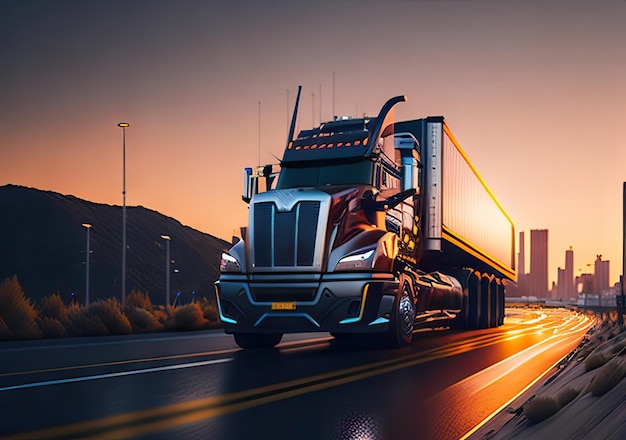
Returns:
<point x="538" y="278"/>
<point x="584" y="284"/>
<point x="601" y="275"/>
<point x="521" y="267"/>
<point x="561" y="285"/>
<point x="570" y="290"/>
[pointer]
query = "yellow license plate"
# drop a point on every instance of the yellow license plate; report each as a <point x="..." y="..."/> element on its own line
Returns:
<point x="283" y="306"/>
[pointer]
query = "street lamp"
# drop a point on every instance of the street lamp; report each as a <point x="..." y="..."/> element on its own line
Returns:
<point x="88" y="226"/>
<point x="167" y="239"/>
<point x="123" y="125"/>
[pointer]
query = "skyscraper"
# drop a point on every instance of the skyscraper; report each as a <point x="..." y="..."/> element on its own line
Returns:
<point x="601" y="275"/>
<point x="538" y="285"/>
<point x="521" y="267"/>
<point x="561" y="286"/>
<point x="570" y="290"/>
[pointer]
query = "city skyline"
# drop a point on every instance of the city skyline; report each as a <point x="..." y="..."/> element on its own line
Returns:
<point x="590" y="278"/>
<point x="525" y="88"/>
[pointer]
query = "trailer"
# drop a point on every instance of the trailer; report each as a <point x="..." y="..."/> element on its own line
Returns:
<point x="367" y="226"/>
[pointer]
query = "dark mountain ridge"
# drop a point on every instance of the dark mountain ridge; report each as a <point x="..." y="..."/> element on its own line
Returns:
<point x="43" y="243"/>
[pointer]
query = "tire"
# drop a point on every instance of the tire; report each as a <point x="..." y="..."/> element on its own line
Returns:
<point x="400" y="333"/>
<point x="260" y="340"/>
<point x="501" y="303"/>
<point x="485" y="303"/>
<point x="473" y="301"/>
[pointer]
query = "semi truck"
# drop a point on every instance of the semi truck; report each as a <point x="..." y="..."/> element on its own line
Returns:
<point x="367" y="226"/>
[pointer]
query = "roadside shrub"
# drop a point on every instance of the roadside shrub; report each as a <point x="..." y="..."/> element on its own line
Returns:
<point x="594" y="360"/>
<point x="79" y="324"/>
<point x="138" y="299"/>
<point x="609" y="376"/>
<point x="109" y="313"/>
<point x="540" y="408"/>
<point x="187" y="317"/>
<point x="209" y="310"/>
<point x="51" y="328"/>
<point x="53" y="307"/>
<point x="141" y="320"/>
<point x="17" y="313"/>
<point x="100" y="318"/>
<point x="566" y="396"/>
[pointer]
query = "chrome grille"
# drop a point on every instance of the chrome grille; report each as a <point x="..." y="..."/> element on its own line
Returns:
<point x="288" y="235"/>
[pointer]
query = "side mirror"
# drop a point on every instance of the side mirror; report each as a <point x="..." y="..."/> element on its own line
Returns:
<point x="249" y="185"/>
<point x="390" y="202"/>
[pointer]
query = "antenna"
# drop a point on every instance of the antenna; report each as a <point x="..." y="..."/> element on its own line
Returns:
<point x="259" y="133"/>
<point x="287" y="112"/>
<point x="295" y="116"/>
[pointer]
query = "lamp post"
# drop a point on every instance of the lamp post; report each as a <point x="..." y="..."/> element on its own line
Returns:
<point x="88" y="227"/>
<point x="123" y="125"/>
<point x="167" y="239"/>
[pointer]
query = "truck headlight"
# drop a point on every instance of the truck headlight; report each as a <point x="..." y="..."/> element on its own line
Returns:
<point x="357" y="261"/>
<point x="228" y="263"/>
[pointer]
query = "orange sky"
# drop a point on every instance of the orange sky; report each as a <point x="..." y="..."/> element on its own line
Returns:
<point x="533" y="91"/>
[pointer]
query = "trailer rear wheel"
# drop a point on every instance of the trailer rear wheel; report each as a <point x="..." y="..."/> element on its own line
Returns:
<point x="254" y="340"/>
<point x="473" y="301"/>
<point x="400" y="333"/>
<point x="501" y="296"/>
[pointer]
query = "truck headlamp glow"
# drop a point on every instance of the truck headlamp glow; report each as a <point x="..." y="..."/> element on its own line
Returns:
<point x="228" y="263"/>
<point x="357" y="261"/>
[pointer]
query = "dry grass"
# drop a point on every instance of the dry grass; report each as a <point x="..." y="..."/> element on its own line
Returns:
<point x="19" y="319"/>
<point x="209" y="310"/>
<point x="17" y="313"/>
<point x="141" y="320"/>
<point x="101" y="318"/>
<point x="138" y="299"/>
<point x="566" y="396"/>
<point x="594" y="360"/>
<point x="540" y="408"/>
<point x="609" y="376"/>
<point x="52" y="328"/>
<point x="53" y="307"/>
<point x="110" y="314"/>
<point x="79" y="324"/>
<point x="187" y="317"/>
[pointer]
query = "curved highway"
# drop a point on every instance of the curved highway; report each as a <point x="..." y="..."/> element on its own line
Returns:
<point x="200" y="385"/>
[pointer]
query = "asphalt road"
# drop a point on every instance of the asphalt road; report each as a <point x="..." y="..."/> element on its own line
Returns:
<point x="200" y="385"/>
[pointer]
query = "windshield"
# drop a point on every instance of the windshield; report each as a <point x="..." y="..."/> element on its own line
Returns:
<point x="353" y="173"/>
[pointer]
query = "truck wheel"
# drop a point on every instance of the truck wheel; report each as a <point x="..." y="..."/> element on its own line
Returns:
<point x="485" y="303"/>
<point x="400" y="333"/>
<point x="473" y="301"/>
<point x="501" y="304"/>
<point x="262" y="340"/>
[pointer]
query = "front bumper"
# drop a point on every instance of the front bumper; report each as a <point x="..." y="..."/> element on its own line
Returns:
<point x="290" y="303"/>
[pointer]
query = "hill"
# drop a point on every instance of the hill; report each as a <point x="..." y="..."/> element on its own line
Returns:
<point x="43" y="242"/>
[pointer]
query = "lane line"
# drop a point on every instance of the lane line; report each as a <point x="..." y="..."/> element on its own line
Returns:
<point x="119" y="374"/>
<point x="160" y="358"/>
<point x="215" y="333"/>
<point x="112" y="363"/>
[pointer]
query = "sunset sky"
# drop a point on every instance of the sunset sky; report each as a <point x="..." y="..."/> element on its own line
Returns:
<point x="534" y="91"/>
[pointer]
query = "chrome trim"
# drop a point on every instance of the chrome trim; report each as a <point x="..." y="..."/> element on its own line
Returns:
<point x="378" y="321"/>
<point x="223" y="318"/>
<point x="284" y="201"/>
<point x="432" y="168"/>
<point x="285" y="315"/>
